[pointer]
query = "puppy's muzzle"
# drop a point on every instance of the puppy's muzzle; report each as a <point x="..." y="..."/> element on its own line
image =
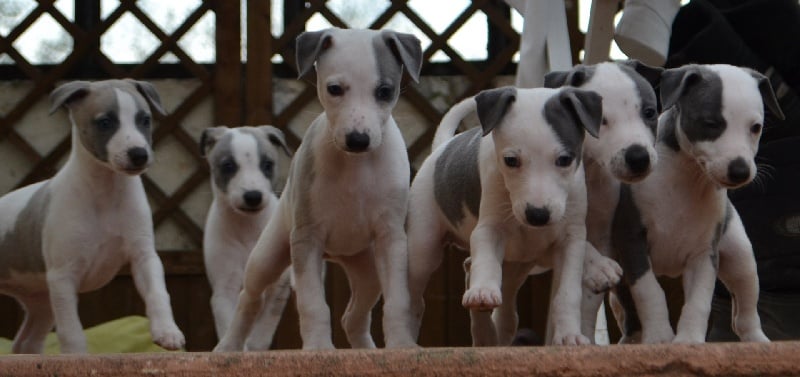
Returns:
<point x="638" y="159"/>
<point x="138" y="159"/>
<point x="357" y="141"/>
<point x="537" y="216"/>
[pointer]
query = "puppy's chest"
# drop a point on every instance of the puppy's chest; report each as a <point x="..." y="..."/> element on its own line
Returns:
<point x="524" y="244"/>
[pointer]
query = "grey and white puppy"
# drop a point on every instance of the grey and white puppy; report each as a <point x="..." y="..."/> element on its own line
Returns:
<point x="512" y="192"/>
<point x="623" y="152"/>
<point x="347" y="194"/>
<point x="243" y="163"/>
<point x="72" y="233"/>
<point x="679" y="221"/>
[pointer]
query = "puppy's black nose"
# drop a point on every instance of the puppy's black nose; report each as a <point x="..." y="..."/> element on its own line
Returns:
<point x="357" y="141"/>
<point x="138" y="156"/>
<point x="252" y="198"/>
<point x="637" y="159"/>
<point x="738" y="171"/>
<point x="537" y="216"/>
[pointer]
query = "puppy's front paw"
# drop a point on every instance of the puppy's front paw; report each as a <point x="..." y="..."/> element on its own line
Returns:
<point x="168" y="337"/>
<point x="482" y="298"/>
<point x="570" y="340"/>
<point x="601" y="274"/>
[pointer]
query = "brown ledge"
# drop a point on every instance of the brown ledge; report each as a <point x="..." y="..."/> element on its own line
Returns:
<point x="729" y="359"/>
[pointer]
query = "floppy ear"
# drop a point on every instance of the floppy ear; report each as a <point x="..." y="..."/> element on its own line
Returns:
<point x="67" y="93"/>
<point x="406" y="49"/>
<point x="585" y="107"/>
<point x="149" y="92"/>
<point x="767" y="94"/>
<point x="651" y="74"/>
<point x="309" y="46"/>
<point x="492" y="106"/>
<point x="210" y="137"/>
<point x="675" y="82"/>
<point x="576" y="77"/>
<point x="277" y="138"/>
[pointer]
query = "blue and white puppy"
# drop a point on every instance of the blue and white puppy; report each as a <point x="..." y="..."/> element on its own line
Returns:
<point x="243" y="163"/>
<point x="346" y="197"/>
<point x="679" y="221"/>
<point x="72" y="233"/>
<point x="515" y="199"/>
<point x="623" y="152"/>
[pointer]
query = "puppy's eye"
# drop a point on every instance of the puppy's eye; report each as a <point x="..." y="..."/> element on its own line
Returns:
<point x="650" y="113"/>
<point x="756" y="128"/>
<point x="565" y="160"/>
<point x="335" y="90"/>
<point x="267" y="166"/>
<point x="228" y="167"/>
<point x="104" y="124"/>
<point x="512" y="161"/>
<point x="384" y="93"/>
<point x="146" y="121"/>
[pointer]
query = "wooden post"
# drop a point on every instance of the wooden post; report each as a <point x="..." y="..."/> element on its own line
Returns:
<point x="258" y="71"/>
<point x="227" y="72"/>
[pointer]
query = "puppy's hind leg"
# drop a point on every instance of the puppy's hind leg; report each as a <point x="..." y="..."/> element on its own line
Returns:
<point x="37" y="323"/>
<point x="425" y="254"/>
<point x="361" y="274"/>
<point x="275" y="298"/>
<point x="269" y="258"/>
<point x="737" y="270"/>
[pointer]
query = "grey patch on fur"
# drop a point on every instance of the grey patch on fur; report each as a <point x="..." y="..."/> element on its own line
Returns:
<point x="696" y="93"/>
<point x="221" y="154"/>
<point x="629" y="237"/>
<point x="456" y="178"/>
<point x="21" y="247"/>
<point x="406" y="50"/>
<point x="719" y="231"/>
<point x="646" y="94"/>
<point x="577" y="77"/>
<point x="492" y="105"/>
<point x="666" y="129"/>
<point x="390" y="71"/>
<point x="568" y="123"/>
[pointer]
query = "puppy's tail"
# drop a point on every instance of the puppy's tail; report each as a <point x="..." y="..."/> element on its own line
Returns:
<point x="451" y="120"/>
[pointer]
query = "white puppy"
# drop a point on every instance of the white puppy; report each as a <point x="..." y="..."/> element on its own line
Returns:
<point x="516" y="200"/>
<point x="346" y="196"/>
<point x="72" y="233"/>
<point x="242" y="162"/>
<point x="679" y="221"/>
<point x="624" y="152"/>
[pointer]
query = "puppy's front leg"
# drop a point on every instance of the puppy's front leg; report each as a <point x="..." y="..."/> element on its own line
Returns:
<point x="64" y="299"/>
<point x="148" y="276"/>
<point x="391" y="260"/>
<point x="698" y="287"/>
<point x="651" y="304"/>
<point x="566" y="304"/>
<point x="307" y="264"/>
<point x="487" y="249"/>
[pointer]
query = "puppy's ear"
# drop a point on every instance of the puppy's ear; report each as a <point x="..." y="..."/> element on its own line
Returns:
<point x="651" y="74"/>
<point x="576" y="77"/>
<point x="406" y="49"/>
<point x="767" y="94"/>
<point x="210" y="137"/>
<point x="150" y="94"/>
<point x="309" y="46"/>
<point x="277" y="138"/>
<point x="585" y="107"/>
<point x="67" y="94"/>
<point x="492" y="106"/>
<point x="675" y="82"/>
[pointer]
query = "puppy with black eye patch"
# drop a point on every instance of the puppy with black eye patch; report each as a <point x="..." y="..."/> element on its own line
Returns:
<point x="512" y="192"/>
<point x="679" y="221"/>
<point x="623" y="152"/>
<point x="346" y="197"/>
<point x="72" y="233"/>
<point x="242" y="161"/>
